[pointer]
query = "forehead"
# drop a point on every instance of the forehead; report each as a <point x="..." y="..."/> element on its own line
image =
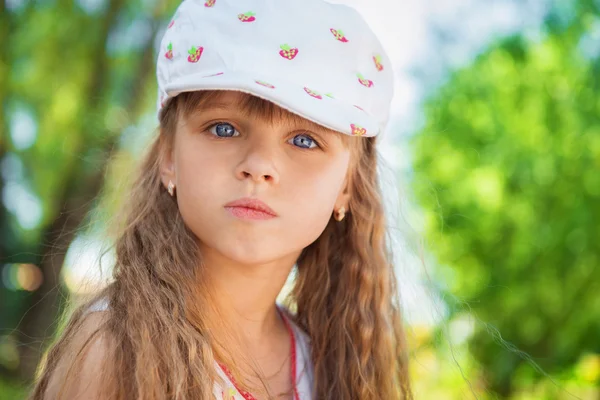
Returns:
<point x="247" y="105"/>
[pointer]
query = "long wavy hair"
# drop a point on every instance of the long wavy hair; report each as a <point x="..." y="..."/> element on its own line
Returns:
<point x="157" y="327"/>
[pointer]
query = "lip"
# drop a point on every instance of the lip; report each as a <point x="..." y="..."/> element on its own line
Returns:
<point x="248" y="208"/>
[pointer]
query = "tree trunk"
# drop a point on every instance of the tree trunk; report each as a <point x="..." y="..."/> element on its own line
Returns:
<point x="38" y="324"/>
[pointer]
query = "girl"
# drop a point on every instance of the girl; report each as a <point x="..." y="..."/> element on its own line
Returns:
<point x="265" y="161"/>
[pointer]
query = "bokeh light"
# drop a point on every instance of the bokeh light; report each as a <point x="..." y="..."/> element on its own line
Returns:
<point x="26" y="277"/>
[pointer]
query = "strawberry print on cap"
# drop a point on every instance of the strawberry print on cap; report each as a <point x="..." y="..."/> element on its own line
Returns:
<point x="247" y="17"/>
<point x="357" y="130"/>
<point x="377" y="61"/>
<point x="265" y="84"/>
<point x="314" y="94"/>
<point x="365" y="82"/>
<point x="339" y="35"/>
<point x="288" y="52"/>
<point x="209" y="3"/>
<point x="195" y="53"/>
<point x="169" y="53"/>
<point x="173" y="20"/>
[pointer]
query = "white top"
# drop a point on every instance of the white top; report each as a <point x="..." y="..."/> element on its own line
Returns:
<point x="304" y="371"/>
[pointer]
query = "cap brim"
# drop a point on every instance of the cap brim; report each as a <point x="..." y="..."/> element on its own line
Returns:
<point x="326" y="111"/>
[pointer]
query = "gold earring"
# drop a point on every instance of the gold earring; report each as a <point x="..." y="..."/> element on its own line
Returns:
<point x="341" y="213"/>
<point x="171" y="188"/>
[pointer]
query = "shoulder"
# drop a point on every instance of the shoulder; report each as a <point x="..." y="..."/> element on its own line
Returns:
<point x="84" y="349"/>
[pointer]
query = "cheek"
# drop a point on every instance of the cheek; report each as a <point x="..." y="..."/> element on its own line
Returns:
<point x="199" y="173"/>
<point x="312" y="194"/>
<point x="197" y="166"/>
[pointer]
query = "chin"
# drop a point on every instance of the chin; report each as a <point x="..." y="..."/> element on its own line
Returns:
<point x="251" y="253"/>
<point x="249" y="259"/>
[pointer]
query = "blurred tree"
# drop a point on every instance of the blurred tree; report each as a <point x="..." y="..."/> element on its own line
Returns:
<point x="507" y="168"/>
<point x="4" y="29"/>
<point x="80" y="72"/>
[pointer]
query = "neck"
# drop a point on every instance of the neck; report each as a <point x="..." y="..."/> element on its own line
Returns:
<point x="245" y="294"/>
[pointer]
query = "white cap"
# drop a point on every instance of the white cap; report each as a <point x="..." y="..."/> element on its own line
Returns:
<point x="315" y="59"/>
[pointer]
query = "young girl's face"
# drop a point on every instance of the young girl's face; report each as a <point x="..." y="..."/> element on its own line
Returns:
<point x="224" y="152"/>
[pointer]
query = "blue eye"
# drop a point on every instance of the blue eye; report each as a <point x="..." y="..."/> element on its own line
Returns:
<point x="304" y="141"/>
<point x="223" y="130"/>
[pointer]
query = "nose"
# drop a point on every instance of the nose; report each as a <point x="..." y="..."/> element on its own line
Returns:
<point x="258" y="164"/>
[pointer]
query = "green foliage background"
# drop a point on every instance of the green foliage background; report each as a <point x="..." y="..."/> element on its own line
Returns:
<point x="79" y="75"/>
<point x="507" y="170"/>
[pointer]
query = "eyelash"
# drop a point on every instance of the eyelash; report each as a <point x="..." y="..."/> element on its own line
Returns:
<point x="213" y="125"/>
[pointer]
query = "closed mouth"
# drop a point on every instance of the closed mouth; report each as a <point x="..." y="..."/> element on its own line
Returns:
<point x="252" y="206"/>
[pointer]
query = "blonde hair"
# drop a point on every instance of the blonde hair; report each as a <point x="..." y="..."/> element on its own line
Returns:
<point x="345" y="293"/>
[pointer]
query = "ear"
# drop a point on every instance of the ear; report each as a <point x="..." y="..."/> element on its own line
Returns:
<point x="167" y="164"/>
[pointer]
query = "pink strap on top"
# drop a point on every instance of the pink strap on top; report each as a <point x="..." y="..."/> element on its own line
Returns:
<point x="249" y="396"/>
